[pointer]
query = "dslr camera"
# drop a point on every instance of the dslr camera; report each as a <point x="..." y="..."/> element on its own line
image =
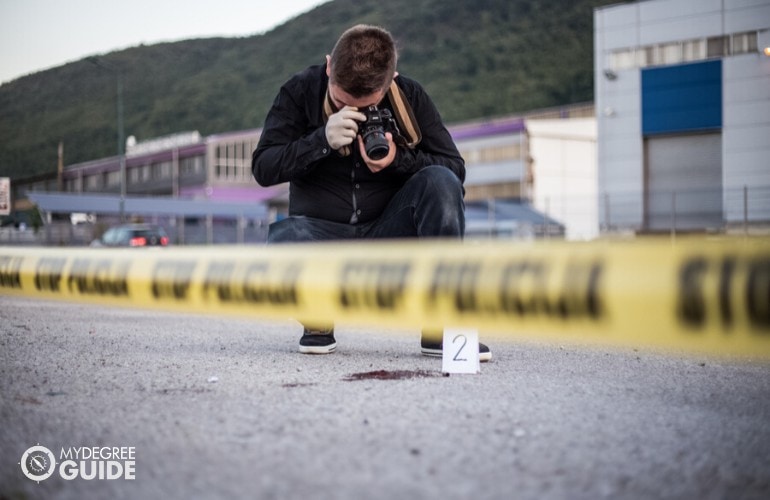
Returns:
<point x="372" y="130"/>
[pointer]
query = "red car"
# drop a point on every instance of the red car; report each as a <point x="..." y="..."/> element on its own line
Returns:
<point x="133" y="235"/>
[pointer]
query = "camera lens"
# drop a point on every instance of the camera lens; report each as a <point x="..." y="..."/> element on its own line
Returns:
<point x="376" y="144"/>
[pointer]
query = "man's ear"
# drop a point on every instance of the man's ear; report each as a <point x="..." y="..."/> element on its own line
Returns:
<point x="328" y="65"/>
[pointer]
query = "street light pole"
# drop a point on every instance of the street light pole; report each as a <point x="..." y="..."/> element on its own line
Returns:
<point x="121" y="134"/>
<point x="121" y="148"/>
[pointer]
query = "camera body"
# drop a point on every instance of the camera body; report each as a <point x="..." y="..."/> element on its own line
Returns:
<point x="372" y="130"/>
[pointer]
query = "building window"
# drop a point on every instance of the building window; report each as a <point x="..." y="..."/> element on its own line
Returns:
<point x="671" y="53"/>
<point x="93" y="182"/>
<point x="144" y="173"/>
<point x="623" y="59"/>
<point x="112" y="178"/>
<point x="501" y="153"/>
<point x="191" y="166"/>
<point x="470" y="155"/>
<point x="684" y="51"/>
<point x="655" y="55"/>
<point x="718" y="46"/>
<point x="132" y="175"/>
<point x="694" y="50"/>
<point x="161" y="171"/>
<point x="743" y="43"/>
<point x="233" y="161"/>
<point x="492" y="154"/>
<point x="646" y="57"/>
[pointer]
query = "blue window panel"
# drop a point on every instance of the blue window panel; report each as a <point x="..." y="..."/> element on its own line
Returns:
<point x="682" y="98"/>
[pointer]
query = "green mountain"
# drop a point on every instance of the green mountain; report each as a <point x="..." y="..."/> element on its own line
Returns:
<point x="477" y="58"/>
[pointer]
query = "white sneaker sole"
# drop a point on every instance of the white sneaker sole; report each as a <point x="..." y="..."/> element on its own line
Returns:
<point x="438" y="353"/>
<point x="433" y="353"/>
<point x="318" y="349"/>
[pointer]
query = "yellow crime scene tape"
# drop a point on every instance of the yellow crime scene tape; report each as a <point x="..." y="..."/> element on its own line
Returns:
<point x="701" y="294"/>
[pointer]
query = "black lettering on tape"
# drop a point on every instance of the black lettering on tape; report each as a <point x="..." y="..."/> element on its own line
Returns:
<point x="10" y="272"/>
<point x="692" y="303"/>
<point x="593" y="299"/>
<point x="48" y="274"/>
<point x="171" y="279"/>
<point x="518" y="288"/>
<point x="693" y="293"/>
<point x="758" y="294"/>
<point x="457" y="283"/>
<point x="253" y="282"/>
<point x="725" y="284"/>
<point x="277" y="287"/>
<point x="519" y="277"/>
<point x="580" y="293"/>
<point x="218" y="278"/>
<point x="373" y="285"/>
<point x="99" y="277"/>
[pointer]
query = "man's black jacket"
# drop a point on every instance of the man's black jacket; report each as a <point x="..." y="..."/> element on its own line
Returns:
<point x="322" y="183"/>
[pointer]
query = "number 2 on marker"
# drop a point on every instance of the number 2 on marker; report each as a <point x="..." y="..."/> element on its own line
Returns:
<point x="458" y="346"/>
<point x="465" y="341"/>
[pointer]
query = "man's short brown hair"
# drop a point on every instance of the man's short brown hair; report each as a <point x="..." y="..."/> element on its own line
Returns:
<point x="363" y="60"/>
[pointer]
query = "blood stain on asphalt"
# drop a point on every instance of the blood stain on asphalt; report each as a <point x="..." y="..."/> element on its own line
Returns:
<point x="391" y="375"/>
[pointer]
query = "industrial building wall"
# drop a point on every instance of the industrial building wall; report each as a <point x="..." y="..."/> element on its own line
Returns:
<point x="619" y="118"/>
<point x="746" y="137"/>
<point x="631" y="39"/>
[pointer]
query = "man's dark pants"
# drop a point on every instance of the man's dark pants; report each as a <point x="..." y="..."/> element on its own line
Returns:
<point x="429" y="205"/>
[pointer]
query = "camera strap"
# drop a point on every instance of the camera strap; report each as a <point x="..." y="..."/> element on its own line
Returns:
<point x="409" y="130"/>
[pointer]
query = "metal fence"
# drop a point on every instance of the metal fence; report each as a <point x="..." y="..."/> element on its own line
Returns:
<point x="693" y="210"/>
<point x="742" y="211"/>
<point x="190" y="231"/>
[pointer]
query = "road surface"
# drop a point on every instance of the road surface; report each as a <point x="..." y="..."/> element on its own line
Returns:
<point x="214" y="407"/>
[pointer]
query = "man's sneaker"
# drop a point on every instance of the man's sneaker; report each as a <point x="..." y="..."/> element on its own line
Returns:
<point x="434" y="346"/>
<point x="317" y="341"/>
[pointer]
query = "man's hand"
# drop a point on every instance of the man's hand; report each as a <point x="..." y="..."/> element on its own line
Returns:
<point x="342" y="127"/>
<point x="377" y="165"/>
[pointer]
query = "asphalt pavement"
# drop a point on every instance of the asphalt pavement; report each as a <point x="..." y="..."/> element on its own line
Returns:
<point x="214" y="407"/>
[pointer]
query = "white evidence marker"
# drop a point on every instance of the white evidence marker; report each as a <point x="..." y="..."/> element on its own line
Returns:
<point x="461" y="351"/>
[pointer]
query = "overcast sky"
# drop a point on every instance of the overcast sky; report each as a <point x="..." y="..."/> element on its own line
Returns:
<point x="41" y="34"/>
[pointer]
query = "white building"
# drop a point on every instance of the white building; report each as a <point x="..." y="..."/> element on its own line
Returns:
<point x="563" y="165"/>
<point x="541" y="164"/>
<point x="682" y="92"/>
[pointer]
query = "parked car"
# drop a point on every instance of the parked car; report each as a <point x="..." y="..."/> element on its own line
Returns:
<point x="133" y="235"/>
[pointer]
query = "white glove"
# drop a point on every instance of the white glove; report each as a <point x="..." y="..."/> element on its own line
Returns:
<point x="342" y="127"/>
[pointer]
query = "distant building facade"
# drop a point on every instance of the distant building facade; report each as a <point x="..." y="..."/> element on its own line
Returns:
<point x="682" y="92"/>
<point x="218" y="168"/>
<point x="506" y="165"/>
<point x="564" y="174"/>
